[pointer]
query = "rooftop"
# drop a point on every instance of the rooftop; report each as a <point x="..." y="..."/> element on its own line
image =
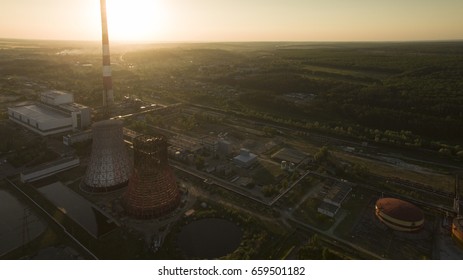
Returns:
<point x="73" y="107"/>
<point x="337" y="193"/>
<point x="290" y="155"/>
<point x="40" y="113"/>
<point x="245" y="157"/>
<point x="54" y="93"/>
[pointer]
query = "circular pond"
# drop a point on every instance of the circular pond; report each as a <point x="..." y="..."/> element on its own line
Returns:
<point x="209" y="238"/>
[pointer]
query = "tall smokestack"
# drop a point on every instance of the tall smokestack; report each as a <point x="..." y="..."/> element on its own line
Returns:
<point x="108" y="95"/>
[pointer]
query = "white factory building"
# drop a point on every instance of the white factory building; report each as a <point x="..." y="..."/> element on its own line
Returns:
<point x="56" y="112"/>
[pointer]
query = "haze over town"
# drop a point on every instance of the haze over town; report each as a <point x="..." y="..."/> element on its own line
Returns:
<point x="235" y="20"/>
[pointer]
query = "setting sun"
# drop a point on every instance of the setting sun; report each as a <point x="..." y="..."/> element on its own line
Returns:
<point x="136" y="20"/>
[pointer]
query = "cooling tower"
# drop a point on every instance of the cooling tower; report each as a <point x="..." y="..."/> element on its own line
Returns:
<point x="109" y="166"/>
<point x="152" y="190"/>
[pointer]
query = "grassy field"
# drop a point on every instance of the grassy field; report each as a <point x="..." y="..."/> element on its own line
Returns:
<point x="434" y="179"/>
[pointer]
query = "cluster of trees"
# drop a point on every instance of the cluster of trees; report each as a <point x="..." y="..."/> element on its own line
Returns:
<point x="33" y="154"/>
<point x="391" y="89"/>
<point x="186" y="122"/>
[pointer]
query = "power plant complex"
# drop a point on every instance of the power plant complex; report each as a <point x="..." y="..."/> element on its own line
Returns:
<point x="152" y="188"/>
<point x="109" y="168"/>
<point x="126" y="180"/>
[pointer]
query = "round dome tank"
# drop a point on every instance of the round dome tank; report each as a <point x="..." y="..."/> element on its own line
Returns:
<point x="399" y="215"/>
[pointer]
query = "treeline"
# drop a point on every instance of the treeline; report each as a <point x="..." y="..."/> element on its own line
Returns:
<point x="395" y="87"/>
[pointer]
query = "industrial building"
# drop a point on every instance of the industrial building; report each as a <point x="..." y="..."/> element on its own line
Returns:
<point x="289" y="155"/>
<point x="328" y="209"/>
<point x="78" y="137"/>
<point x="399" y="215"/>
<point x="245" y="158"/>
<point x="55" y="113"/>
<point x="48" y="169"/>
<point x="152" y="190"/>
<point x="224" y="147"/>
<point x="109" y="167"/>
<point x="333" y="198"/>
<point x="337" y="194"/>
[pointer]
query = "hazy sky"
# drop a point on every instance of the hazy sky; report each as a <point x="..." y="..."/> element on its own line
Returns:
<point x="235" y="20"/>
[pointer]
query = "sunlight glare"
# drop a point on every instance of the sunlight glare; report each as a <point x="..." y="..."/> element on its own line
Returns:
<point x="136" y="20"/>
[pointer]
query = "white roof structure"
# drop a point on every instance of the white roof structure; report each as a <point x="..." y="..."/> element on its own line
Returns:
<point x="40" y="114"/>
<point x="55" y="113"/>
<point x="56" y="97"/>
<point x="245" y="158"/>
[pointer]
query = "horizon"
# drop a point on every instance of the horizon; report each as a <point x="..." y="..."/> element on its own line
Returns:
<point x="128" y="42"/>
<point x="235" y="21"/>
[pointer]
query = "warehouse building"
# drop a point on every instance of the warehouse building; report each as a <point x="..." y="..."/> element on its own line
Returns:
<point x="55" y="113"/>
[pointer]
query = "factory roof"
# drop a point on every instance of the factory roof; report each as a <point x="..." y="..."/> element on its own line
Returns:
<point x="40" y="113"/>
<point x="54" y="93"/>
<point x="245" y="156"/>
<point x="337" y="193"/>
<point x="290" y="155"/>
<point x="49" y="165"/>
<point x="328" y="207"/>
<point x="73" y="107"/>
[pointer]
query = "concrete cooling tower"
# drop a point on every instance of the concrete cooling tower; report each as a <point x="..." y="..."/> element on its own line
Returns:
<point x="152" y="190"/>
<point x="109" y="167"/>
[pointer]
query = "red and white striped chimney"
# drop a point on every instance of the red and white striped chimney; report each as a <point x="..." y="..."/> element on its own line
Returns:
<point x="108" y="95"/>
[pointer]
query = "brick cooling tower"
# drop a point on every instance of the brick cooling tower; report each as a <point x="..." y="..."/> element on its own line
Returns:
<point x="109" y="166"/>
<point x="152" y="190"/>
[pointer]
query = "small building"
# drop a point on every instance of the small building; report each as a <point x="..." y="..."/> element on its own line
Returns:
<point x="78" y="137"/>
<point x="337" y="194"/>
<point x="245" y="158"/>
<point x="334" y="198"/>
<point x="185" y="143"/>
<point x="210" y="144"/>
<point x="289" y="155"/>
<point x="283" y="165"/>
<point x="328" y="209"/>
<point x="224" y="147"/>
<point x="224" y="169"/>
